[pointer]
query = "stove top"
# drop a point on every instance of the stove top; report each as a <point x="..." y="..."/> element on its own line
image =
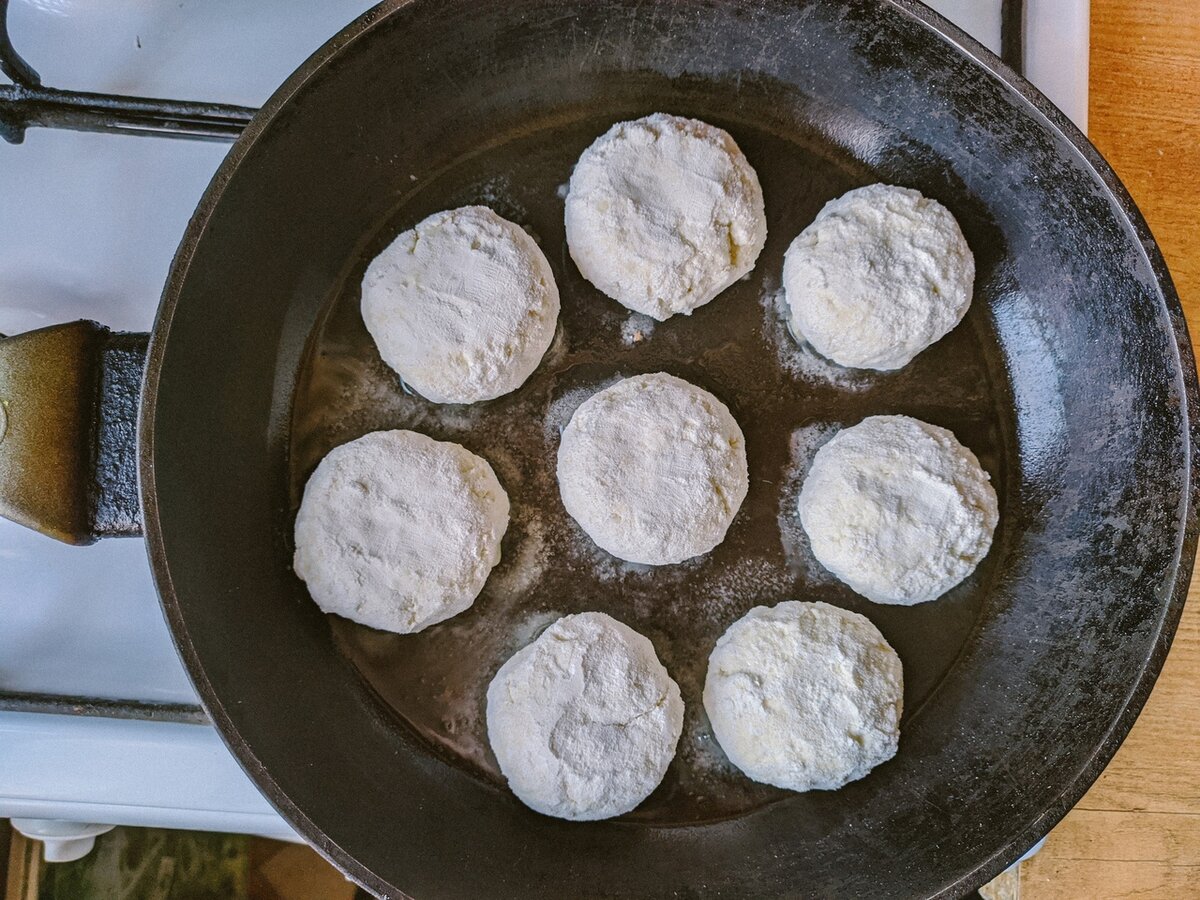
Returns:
<point x="88" y="225"/>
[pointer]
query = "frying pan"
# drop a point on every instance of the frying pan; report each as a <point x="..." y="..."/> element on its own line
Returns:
<point x="1071" y="378"/>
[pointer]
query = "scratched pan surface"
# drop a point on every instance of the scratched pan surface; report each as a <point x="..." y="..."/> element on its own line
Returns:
<point x="1069" y="378"/>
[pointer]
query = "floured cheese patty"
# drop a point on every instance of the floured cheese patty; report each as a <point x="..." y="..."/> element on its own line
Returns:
<point x="584" y="720"/>
<point x="804" y="696"/>
<point x="653" y="469"/>
<point x="463" y="306"/>
<point x="398" y="531"/>
<point x="898" y="509"/>
<point x="664" y="213"/>
<point x="879" y="275"/>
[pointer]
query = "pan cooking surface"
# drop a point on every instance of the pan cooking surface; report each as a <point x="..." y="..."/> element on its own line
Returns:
<point x="1071" y="378"/>
<point x="785" y="397"/>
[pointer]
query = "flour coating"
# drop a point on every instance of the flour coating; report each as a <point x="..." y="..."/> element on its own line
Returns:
<point x="398" y="531"/>
<point x="463" y="306"/>
<point x="879" y="275"/>
<point x="585" y="720"/>
<point x="664" y="213"/>
<point x="804" y="696"/>
<point x="898" y="509"/>
<point x="653" y="469"/>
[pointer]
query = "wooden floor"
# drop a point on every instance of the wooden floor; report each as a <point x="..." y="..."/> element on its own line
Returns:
<point x="1137" y="832"/>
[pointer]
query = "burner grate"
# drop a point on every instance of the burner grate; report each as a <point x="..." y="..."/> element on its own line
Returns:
<point x="27" y="103"/>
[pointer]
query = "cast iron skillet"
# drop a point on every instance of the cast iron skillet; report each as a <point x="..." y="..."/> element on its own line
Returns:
<point x="1072" y="378"/>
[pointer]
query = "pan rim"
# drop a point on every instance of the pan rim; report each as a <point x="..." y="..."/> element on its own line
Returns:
<point x="1037" y="106"/>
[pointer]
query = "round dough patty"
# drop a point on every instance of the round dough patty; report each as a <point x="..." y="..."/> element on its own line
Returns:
<point x="463" y="306"/>
<point x="804" y="696"/>
<point x="664" y="213"/>
<point x="653" y="469"/>
<point x="399" y="531"/>
<point x="879" y="275"/>
<point x="584" y="720"/>
<point x="898" y="509"/>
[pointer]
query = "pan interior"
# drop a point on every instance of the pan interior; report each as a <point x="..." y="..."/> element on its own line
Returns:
<point x="786" y="398"/>
<point x="1069" y="377"/>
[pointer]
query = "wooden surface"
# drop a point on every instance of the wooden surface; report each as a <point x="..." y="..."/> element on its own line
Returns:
<point x="1137" y="831"/>
<point x="23" y="865"/>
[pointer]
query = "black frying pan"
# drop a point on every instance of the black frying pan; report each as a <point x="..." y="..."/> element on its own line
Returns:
<point x="1071" y="378"/>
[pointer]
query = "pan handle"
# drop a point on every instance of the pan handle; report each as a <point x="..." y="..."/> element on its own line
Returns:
<point x="68" y="431"/>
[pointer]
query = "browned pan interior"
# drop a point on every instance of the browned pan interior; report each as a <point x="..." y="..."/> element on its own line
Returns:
<point x="787" y="399"/>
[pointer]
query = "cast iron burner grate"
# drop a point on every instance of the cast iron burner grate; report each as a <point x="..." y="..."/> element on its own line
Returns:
<point x="27" y="103"/>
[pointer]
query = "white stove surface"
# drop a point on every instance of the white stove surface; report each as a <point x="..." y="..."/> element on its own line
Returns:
<point x="88" y="226"/>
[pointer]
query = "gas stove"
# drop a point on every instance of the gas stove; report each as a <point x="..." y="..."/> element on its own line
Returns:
<point x="99" y="725"/>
